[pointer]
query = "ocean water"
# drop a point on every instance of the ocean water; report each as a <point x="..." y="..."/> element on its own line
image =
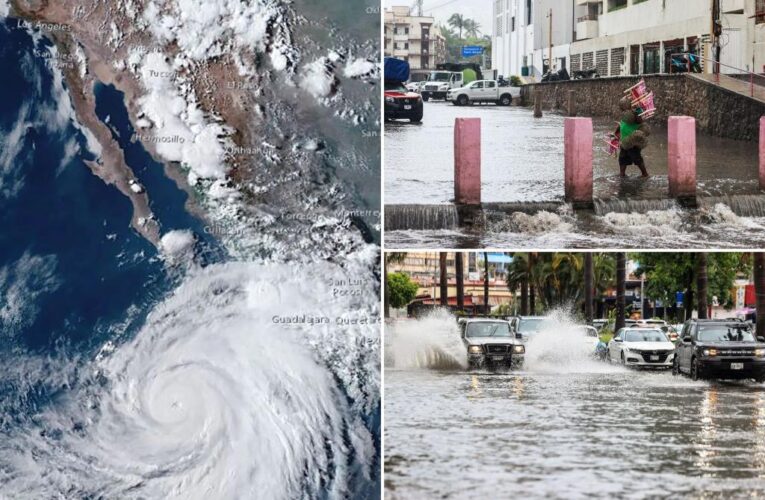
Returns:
<point x="126" y="375"/>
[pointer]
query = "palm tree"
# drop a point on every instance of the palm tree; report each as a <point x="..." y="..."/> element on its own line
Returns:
<point x="457" y="21"/>
<point x="459" y="272"/>
<point x="621" y="283"/>
<point x="472" y="28"/>
<point x="519" y="276"/>
<point x="603" y="278"/>
<point x="390" y="258"/>
<point x="701" y="283"/>
<point x="486" y="283"/>
<point x="444" y="282"/>
<point x="759" y="287"/>
<point x="588" y="287"/>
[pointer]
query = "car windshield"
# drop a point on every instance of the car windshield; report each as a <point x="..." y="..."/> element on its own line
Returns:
<point x="529" y="325"/>
<point x="645" y="336"/>
<point x="725" y="333"/>
<point x="437" y="76"/>
<point x="395" y="86"/>
<point x="488" y="329"/>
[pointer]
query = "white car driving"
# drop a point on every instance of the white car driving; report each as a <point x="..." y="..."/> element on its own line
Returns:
<point x="641" y="347"/>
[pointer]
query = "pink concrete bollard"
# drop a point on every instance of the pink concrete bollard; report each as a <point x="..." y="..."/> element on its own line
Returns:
<point x="762" y="152"/>
<point x="577" y="166"/>
<point x="467" y="161"/>
<point x="682" y="156"/>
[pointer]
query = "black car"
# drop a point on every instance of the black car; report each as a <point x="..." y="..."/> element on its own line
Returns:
<point x="400" y="103"/>
<point x="720" y="349"/>
<point x="491" y="343"/>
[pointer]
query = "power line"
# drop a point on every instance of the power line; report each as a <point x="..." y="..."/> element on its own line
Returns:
<point x="440" y="5"/>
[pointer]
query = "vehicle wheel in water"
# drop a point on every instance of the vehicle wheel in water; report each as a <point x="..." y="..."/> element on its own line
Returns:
<point x="695" y="369"/>
<point x="425" y="97"/>
<point x="624" y="361"/>
<point x="462" y="100"/>
<point x="416" y="118"/>
<point x="506" y="100"/>
<point x="675" y="367"/>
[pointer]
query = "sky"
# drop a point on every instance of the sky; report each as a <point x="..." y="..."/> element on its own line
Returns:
<point x="479" y="10"/>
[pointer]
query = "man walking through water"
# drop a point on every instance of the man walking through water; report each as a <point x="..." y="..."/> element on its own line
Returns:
<point x="633" y="137"/>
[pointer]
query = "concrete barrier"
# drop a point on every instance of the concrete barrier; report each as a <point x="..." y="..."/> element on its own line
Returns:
<point x="537" y="104"/>
<point x="682" y="156"/>
<point x="467" y="161"/>
<point x="762" y="152"/>
<point x="577" y="166"/>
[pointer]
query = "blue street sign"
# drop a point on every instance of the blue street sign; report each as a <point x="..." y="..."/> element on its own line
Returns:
<point x="679" y="298"/>
<point x="471" y="50"/>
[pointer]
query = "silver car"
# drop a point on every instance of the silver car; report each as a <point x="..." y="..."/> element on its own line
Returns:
<point x="491" y="343"/>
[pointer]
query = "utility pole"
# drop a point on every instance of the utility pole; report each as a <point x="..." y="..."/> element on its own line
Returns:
<point x="549" y="41"/>
<point x="714" y="35"/>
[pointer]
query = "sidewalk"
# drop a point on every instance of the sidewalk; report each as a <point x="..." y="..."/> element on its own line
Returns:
<point x="735" y="85"/>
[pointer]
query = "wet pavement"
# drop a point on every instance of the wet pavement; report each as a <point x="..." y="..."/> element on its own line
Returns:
<point x="522" y="159"/>
<point x="565" y="426"/>
<point x="613" y="434"/>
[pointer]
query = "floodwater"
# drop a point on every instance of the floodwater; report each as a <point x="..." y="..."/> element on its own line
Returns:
<point x="522" y="159"/>
<point x="571" y="428"/>
<point x="523" y="163"/>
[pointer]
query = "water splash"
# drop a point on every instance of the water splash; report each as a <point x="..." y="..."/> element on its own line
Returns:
<point x="430" y="342"/>
<point x="560" y="346"/>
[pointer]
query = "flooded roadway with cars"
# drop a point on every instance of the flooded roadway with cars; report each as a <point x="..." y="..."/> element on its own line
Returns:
<point x="564" y="426"/>
<point x="522" y="162"/>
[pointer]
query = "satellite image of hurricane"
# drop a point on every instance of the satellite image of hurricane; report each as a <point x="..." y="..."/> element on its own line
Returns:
<point x="189" y="249"/>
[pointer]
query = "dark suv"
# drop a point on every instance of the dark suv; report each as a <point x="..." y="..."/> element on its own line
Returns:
<point x="723" y="349"/>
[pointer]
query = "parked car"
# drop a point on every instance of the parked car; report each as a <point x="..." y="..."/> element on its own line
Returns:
<point x="483" y="91"/>
<point x="641" y="347"/>
<point x="401" y="103"/>
<point x="415" y="86"/>
<point x="719" y="349"/>
<point x="527" y="326"/>
<point x="491" y="343"/>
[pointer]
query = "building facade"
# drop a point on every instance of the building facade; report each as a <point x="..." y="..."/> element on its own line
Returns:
<point x="631" y="37"/>
<point x="625" y="37"/>
<point x="415" y="39"/>
<point x="512" y="49"/>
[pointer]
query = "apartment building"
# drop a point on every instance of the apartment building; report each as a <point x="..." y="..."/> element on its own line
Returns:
<point x="424" y="269"/>
<point x="513" y="38"/>
<point x="629" y="37"/>
<point x="625" y="37"/>
<point x="413" y="38"/>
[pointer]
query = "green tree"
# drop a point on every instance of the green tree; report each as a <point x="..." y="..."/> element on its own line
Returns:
<point x="472" y="28"/>
<point x="668" y="273"/>
<point x="457" y="21"/>
<point x="401" y="290"/>
<point x="390" y="258"/>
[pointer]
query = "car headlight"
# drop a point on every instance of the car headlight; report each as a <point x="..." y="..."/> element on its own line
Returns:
<point x="759" y="352"/>
<point x="475" y="349"/>
<point x="519" y="349"/>
<point x="389" y="99"/>
<point x="710" y="352"/>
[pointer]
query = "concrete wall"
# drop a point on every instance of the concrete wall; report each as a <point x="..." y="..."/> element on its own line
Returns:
<point x="717" y="111"/>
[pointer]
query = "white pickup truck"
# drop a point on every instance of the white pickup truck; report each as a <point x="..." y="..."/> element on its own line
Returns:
<point x="483" y="91"/>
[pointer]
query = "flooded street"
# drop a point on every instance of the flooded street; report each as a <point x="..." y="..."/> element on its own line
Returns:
<point x="522" y="159"/>
<point x="565" y="426"/>
<point x="611" y="433"/>
<point x="522" y="163"/>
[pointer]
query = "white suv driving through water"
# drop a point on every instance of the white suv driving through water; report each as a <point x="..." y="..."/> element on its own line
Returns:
<point x="641" y="347"/>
